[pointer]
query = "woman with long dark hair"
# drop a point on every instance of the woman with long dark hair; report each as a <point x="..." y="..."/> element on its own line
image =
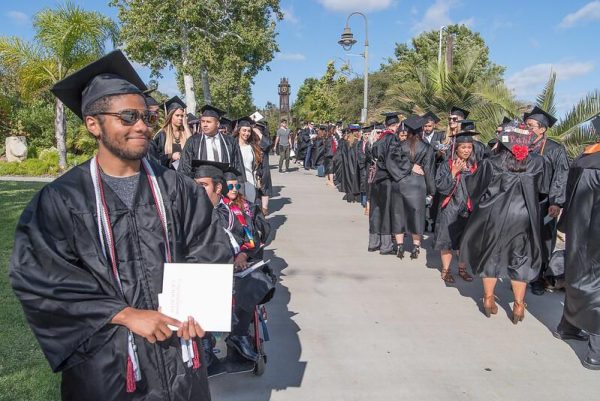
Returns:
<point x="408" y="213"/>
<point x="168" y="143"/>
<point x="455" y="204"/>
<point x="502" y="237"/>
<point x="250" y="158"/>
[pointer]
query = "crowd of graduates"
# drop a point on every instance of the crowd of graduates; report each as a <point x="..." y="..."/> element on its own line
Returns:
<point x="496" y="207"/>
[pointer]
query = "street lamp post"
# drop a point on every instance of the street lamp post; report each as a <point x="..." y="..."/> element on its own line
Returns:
<point x="347" y="41"/>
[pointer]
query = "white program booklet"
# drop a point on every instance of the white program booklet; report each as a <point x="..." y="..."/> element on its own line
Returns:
<point x="203" y="291"/>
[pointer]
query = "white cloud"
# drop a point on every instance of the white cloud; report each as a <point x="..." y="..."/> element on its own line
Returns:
<point x="530" y="80"/>
<point x="18" y="17"/>
<point x="356" y="5"/>
<point x="290" y="16"/>
<point x="437" y="15"/>
<point x="290" y="57"/>
<point x="587" y="13"/>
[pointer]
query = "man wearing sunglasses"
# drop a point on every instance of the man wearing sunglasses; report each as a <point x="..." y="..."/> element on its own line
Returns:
<point x="89" y="252"/>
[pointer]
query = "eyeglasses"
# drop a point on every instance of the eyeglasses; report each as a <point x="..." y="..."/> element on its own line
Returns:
<point x="131" y="116"/>
<point x="533" y="126"/>
<point x="236" y="186"/>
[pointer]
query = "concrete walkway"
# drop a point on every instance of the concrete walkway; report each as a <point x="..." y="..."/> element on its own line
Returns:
<point x="351" y="325"/>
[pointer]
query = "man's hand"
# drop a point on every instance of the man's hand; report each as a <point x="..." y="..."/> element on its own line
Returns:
<point x="175" y="156"/>
<point x="150" y="324"/>
<point x="554" y="211"/>
<point x="418" y="169"/>
<point x="240" y="262"/>
<point x="190" y="329"/>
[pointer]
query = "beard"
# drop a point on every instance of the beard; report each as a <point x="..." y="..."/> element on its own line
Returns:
<point x="121" y="151"/>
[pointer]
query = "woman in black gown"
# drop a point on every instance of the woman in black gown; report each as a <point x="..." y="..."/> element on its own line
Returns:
<point x="408" y="213"/>
<point x="168" y="143"/>
<point x="502" y="237"/>
<point x="455" y="205"/>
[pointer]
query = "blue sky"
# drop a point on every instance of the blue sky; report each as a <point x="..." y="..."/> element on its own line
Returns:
<point x="527" y="37"/>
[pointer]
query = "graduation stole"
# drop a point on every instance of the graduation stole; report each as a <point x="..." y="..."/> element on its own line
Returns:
<point x="239" y="215"/>
<point x="105" y="233"/>
<point x="448" y="198"/>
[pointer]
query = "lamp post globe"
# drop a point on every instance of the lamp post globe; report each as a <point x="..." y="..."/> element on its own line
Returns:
<point x="347" y="40"/>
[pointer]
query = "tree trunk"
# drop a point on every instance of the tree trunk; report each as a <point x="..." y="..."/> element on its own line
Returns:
<point x="188" y="80"/>
<point x="206" y="86"/>
<point x="59" y="132"/>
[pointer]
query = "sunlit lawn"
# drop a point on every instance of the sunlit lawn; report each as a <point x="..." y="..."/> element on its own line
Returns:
<point x="24" y="372"/>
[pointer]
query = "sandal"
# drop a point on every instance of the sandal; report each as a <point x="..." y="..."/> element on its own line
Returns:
<point x="415" y="252"/>
<point x="400" y="252"/>
<point x="462" y="272"/>
<point x="489" y="306"/>
<point x="447" y="276"/>
<point x="518" y="311"/>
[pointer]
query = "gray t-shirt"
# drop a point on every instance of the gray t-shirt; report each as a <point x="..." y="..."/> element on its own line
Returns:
<point x="284" y="136"/>
<point x="124" y="187"/>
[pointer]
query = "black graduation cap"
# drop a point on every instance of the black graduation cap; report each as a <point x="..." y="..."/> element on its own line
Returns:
<point x="457" y="111"/>
<point x="368" y="128"/>
<point x="262" y="125"/>
<point x="430" y="116"/>
<point x="323" y="127"/>
<point x="192" y="119"/>
<point x="380" y="126"/>
<point x="214" y="170"/>
<point x="340" y="122"/>
<point x="210" y="111"/>
<point x="466" y="132"/>
<point x="150" y="101"/>
<point x="505" y="120"/>
<point x="492" y="142"/>
<point x="540" y="116"/>
<point x="515" y="139"/>
<point x="596" y="124"/>
<point x="110" y="75"/>
<point x="391" y="117"/>
<point x="413" y="123"/>
<point x="225" y="122"/>
<point x="244" y="122"/>
<point x="173" y="103"/>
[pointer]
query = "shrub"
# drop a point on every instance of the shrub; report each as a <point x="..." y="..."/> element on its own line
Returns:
<point x="45" y="165"/>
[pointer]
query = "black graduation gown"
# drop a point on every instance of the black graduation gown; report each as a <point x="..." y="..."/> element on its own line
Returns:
<point x="338" y="164"/>
<point x="451" y="219"/>
<point x="556" y="155"/>
<point x="361" y="151"/>
<point x="318" y="155"/>
<point x="69" y="295"/>
<point x="195" y="149"/>
<point x="350" y="184"/>
<point x="502" y="237"/>
<point x="408" y="211"/>
<point x="157" y="150"/>
<point x="580" y="222"/>
<point x="392" y="165"/>
<point x="266" y="144"/>
<point x="328" y="157"/>
<point x="303" y="142"/>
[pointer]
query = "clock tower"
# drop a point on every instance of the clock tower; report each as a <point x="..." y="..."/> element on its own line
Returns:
<point x="284" y="99"/>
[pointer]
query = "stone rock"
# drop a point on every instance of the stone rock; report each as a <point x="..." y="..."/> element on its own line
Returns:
<point x="16" y="148"/>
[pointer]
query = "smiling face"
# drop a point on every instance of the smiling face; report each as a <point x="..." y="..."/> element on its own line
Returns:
<point x="232" y="189"/>
<point x="245" y="133"/>
<point x="127" y="142"/>
<point x="454" y="121"/>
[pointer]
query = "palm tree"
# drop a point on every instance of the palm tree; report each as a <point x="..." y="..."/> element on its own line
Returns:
<point x="571" y="130"/>
<point x="438" y="87"/>
<point x="67" y="38"/>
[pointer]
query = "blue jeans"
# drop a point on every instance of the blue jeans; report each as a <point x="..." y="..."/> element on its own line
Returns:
<point x="363" y="199"/>
<point x="308" y="158"/>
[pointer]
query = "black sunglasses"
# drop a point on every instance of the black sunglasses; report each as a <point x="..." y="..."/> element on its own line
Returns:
<point x="231" y="186"/>
<point x="452" y="118"/>
<point x="130" y="116"/>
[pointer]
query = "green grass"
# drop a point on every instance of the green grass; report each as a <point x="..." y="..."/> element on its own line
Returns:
<point x="24" y="372"/>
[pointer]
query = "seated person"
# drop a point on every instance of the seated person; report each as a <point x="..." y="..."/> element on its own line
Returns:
<point x="247" y="230"/>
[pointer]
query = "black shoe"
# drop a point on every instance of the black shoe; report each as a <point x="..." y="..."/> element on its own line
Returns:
<point x="390" y="252"/>
<point x="591" y="363"/>
<point x="415" y="252"/>
<point x="373" y="249"/>
<point x="243" y="346"/>
<point x="538" y="288"/>
<point x="280" y="170"/>
<point x="400" y="253"/>
<point x="577" y="336"/>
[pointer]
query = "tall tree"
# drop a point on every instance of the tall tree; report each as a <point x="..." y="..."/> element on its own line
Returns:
<point x="66" y="39"/>
<point x="221" y="43"/>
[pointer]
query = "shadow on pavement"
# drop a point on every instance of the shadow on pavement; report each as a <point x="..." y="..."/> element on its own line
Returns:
<point x="284" y="368"/>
